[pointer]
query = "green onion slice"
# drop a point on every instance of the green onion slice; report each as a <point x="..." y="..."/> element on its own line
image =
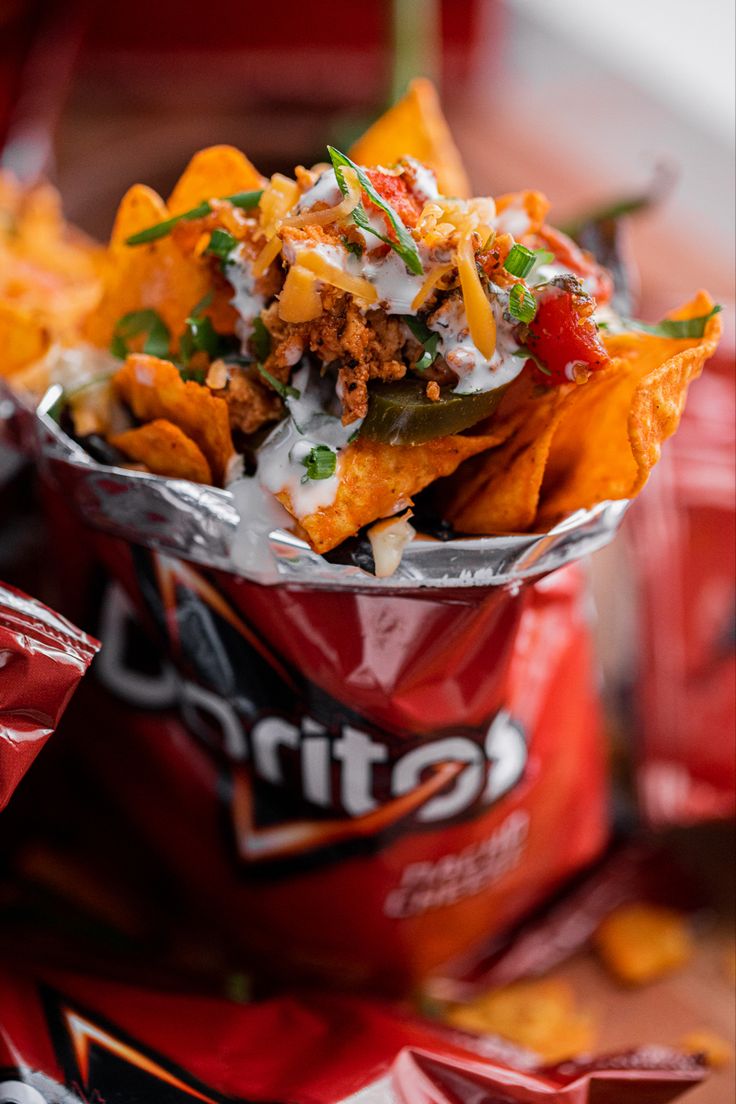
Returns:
<point x="428" y="338"/>
<point x="405" y="245"/>
<point x="522" y="304"/>
<point x="674" y="327"/>
<point x="320" y="463"/>
<point x="135" y="323"/>
<point x="285" y="390"/>
<point x="222" y="244"/>
<point x="520" y="261"/>
<point x="261" y="339"/>
<point x="245" y="200"/>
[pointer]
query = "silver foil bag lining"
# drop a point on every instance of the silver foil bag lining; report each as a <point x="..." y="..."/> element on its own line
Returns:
<point x="202" y="524"/>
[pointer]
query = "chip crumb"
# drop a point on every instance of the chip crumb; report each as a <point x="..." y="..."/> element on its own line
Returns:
<point x="640" y="943"/>
<point x="539" y="1015"/>
<point x="433" y="390"/>
<point x="716" y="1051"/>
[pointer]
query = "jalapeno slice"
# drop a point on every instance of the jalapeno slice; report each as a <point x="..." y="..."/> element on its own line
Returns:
<point x="401" y="414"/>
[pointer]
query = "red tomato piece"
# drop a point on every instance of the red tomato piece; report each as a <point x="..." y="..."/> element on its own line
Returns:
<point x="563" y="336"/>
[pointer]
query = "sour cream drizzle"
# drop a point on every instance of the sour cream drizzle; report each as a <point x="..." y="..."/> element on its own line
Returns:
<point x="281" y="457"/>
<point x="248" y="302"/>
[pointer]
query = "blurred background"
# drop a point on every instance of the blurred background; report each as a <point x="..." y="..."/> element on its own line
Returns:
<point x="583" y="100"/>
<point x="589" y="102"/>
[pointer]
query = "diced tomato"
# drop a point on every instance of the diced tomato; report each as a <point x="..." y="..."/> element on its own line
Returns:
<point x="397" y="192"/>
<point x="563" y="336"/>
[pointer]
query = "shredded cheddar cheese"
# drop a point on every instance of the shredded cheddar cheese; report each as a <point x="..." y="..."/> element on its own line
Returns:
<point x="331" y="214"/>
<point x="481" y="322"/>
<point x="429" y="285"/>
<point x="268" y="254"/>
<point x="331" y="274"/>
<point x="300" y="299"/>
<point x="279" y="196"/>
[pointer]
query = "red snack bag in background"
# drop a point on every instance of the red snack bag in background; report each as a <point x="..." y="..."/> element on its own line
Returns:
<point x="683" y="534"/>
<point x="66" y="1039"/>
<point x="42" y="658"/>
<point x="365" y="785"/>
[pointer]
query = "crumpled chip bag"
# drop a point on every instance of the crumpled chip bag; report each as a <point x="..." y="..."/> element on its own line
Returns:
<point x="362" y="786"/>
<point x="681" y="538"/>
<point x="66" y="1039"/>
<point x="42" y="658"/>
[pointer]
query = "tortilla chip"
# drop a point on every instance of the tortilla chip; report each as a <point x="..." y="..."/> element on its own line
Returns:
<point x="49" y="273"/>
<point x="611" y="432"/>
<point x="157" y="275"/>
<point x="499" y="493"/>
<point x="213" y="173"/>
<point x="538" y="1014"/>
<point x="640" y="943"/>
<point x="377" y="480"/>
<point x="415" y="127"/>
<point x="165" y="450"/>
<point x="23" y="339"/>
<point x="154" y="389"/>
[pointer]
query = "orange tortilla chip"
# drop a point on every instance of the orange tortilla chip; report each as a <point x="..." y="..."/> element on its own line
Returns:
<point x="610" y="435"/>
<point x="23" y="339"/>
<point x="415" y="127"/>
<point x="540" y="1015"/>
<point x="157" y="275"/>
<point x="154" y="389"/>
<point x="377" y="480"/>
<point x="165" y="450"/>
<point x="500" y="492"/>
<point x="213" y="173"/>
<point x="640" y="943"/>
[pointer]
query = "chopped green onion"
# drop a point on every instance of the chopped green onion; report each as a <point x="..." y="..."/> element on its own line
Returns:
<point x="320" y="463"/>
<point x="543" y="256"/>
<point x="135" y="323"/>
<point x="354" y="435"/>
<point x="419" y="328"/>
<point x="405" y="245"/>
<point x="429" y="340"/>
<point x="522" y="304"/>
<point x="200" y="336"/>
<point x="222" y="243"/>
<point x="244" y="200"/>
<point x="196" y="375"/>
<point x="527" y="354"/>
<point x="520" y="260"/>
<point x="285" y="390"/>
<point x="675" y="327"/>
<point x="261" y="339"/>
<point x="354" y="247"/>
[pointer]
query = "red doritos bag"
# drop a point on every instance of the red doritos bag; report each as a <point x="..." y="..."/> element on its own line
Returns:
<point x="364" y="787"/>
<point x="71" y="1040"/>
<point x="684" y="537"/>
<point x="42" y="658"/>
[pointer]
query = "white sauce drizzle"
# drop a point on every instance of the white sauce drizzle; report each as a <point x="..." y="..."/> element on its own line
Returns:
<point x="514" y="220"/>
<point x="324" y="190"/>
<point x="462" y="355"/>
<point x="259" y="514"/>
<point x="423" y="180"/>
<point x="248" y="302"/>
<point x="280" y="458"/>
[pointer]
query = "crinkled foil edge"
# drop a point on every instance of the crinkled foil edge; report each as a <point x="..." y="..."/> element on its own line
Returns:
<point x="198" y="523"/>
